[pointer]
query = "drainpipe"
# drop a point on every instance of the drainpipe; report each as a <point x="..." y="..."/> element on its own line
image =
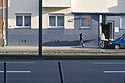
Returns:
<point x="2" y="23"/>
<point x="6" y="28"/>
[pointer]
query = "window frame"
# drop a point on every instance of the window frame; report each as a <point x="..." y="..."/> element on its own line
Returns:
<point x="121" y="23"/>
<point x="23" y="20"/>
<point x="56" y="25"/>
<point x="85" y="27"/>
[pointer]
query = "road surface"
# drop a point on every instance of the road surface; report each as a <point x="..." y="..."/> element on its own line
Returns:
<point x="74" y="71"/>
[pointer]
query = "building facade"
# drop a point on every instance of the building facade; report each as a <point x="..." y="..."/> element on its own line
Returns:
<point x="63" y="21"/>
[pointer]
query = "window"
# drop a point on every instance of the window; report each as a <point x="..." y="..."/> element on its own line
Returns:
<point x="23" y="20"/>
<point x="86" y="22"/>
<point x="122" y="22"/>
<point x="56" y="21"/>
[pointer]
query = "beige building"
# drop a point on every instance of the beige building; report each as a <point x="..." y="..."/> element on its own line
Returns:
<point x="63" y="21"/>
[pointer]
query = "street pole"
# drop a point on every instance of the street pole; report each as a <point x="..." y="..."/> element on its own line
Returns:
<point x="40" y="28"/>
<point x="61" y="72"/>
<point x="5" y="72"/>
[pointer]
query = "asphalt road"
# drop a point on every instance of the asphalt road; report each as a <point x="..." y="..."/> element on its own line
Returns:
<point x="74" y="71"/>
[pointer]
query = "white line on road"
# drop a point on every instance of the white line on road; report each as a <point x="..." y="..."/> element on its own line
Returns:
<point x="107" y="63"/>
<point x="114" y="71"/>
<point x="19" y="62"/>
<point x="16" y="71"/>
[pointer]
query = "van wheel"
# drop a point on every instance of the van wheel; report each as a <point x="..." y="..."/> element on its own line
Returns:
<point x="116" y="46"/>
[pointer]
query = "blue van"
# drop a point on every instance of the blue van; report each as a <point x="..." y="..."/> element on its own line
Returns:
<point x="118" y="43"/>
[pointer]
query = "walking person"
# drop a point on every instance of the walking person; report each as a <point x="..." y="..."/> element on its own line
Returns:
<point x="81" y="40"/>
<point x="102" y="38"/>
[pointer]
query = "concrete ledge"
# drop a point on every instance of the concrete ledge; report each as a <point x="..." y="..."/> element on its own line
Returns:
<point x="80" y="53"/>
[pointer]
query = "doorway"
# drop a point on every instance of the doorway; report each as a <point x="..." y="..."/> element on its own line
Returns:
<point x="108" y="30"/>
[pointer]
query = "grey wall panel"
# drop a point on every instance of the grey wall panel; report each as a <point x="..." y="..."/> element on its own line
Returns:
<point x="70" y="36"/>
<point x="116" y="20"/>
<point x="23" y="37"/>
<point x="55" y="36"/>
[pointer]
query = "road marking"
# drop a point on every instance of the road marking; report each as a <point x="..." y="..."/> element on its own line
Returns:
<point x="114" y="71"/>
<point x="16" y="71"/>
<point x="21" y="62"/>
<point x="107" y="63"/>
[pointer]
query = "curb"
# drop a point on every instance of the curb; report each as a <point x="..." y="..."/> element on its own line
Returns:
<point x="81" y="53"/>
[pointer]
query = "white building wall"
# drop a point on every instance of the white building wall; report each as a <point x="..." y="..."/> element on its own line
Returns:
<point x="89" y="6"/>
<point x="23" y="6"/>
<point x="65" y="11"/>
<point x="108" y="6"/>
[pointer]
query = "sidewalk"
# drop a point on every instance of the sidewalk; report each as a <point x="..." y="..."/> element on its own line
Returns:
<point x="60" y="51"/>
<point x="81" y="51"/>
<point x="19" y="50"/>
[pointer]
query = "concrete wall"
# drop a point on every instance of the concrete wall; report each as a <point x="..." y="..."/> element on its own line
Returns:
<point x="56" y="3"/>
<point x="32" y="6"/>
<point x="70" y="36"/>
<point x="55" y="36"/>
<point x="110" y="6"/>
<point x="116" y="20"/>
<point x="23" y="37"/>
<point x="23" y="6"/>
<point x="67" y="16"/>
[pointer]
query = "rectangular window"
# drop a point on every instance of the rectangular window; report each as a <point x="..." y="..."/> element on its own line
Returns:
<point x="27" y="20"/>
<point x="23" y="20"/>
<point x="56" y="21"/>
<point x="19" y="21"/>
<point x="122" y="22"/>
<point x="52" y="20"/>
<point x="86" y="22"/>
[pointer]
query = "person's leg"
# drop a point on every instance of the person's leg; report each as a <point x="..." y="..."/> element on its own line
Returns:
<point x="101" y="44"/>
<point x="83" y="43"/>
<point x="79" y="43"/>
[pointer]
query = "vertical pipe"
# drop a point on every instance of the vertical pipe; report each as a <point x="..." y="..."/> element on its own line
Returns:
<point x="6" y="30"/>
<point x="40" y="28"/>
<point x="2" y="21"/>
<point x="61" y="72"/>
<point x="5" y="72"/>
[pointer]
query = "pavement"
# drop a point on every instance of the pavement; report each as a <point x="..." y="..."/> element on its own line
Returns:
<point x="60" y="51"/>
<point x="19" y="50"/>
<point x="82" y="51"/>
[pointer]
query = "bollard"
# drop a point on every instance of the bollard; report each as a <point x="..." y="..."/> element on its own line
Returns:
<point x="61" y="72"/>
<point x="5" y="72"/>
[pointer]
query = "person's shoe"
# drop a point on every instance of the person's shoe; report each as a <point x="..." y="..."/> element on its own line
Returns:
<point x="83" y="45"/>
<point x="78" y="45"/>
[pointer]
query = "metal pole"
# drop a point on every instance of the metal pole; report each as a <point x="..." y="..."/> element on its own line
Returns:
<point x="61" y="72"/>
<point x="2" y="21"/>
<point x="124" y="79"/>
<point x="6" y="29"/>
<point x="5" y="72"/>
<point x="40" y="28"/>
